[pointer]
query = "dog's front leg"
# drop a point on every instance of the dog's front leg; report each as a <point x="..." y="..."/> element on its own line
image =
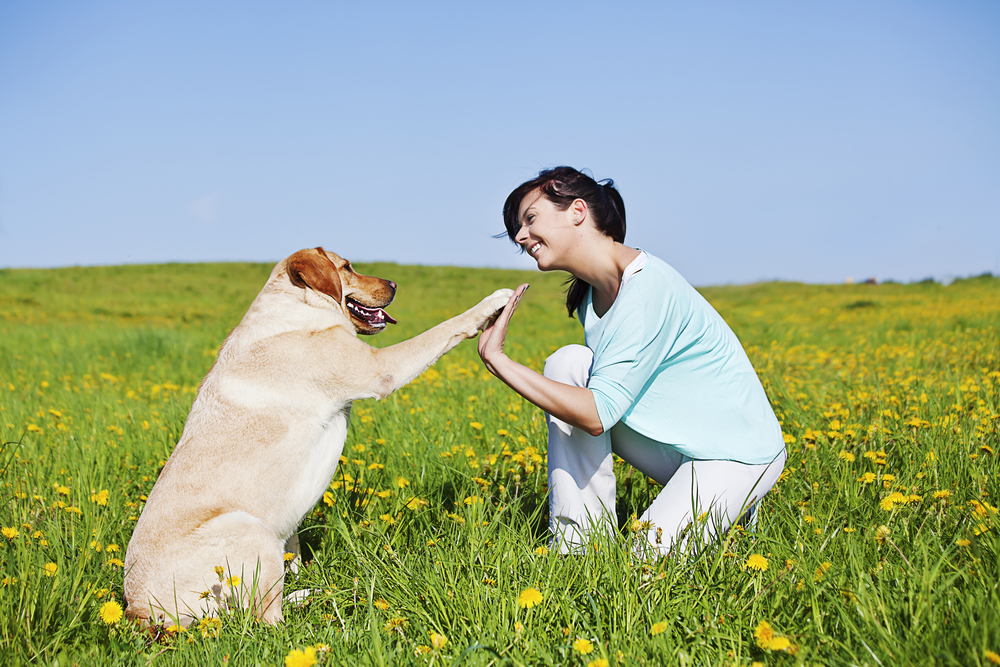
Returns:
<point x="400" y="363"/>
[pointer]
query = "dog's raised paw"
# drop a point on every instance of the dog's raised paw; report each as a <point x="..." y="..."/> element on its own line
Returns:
<point x="498" y="299"/>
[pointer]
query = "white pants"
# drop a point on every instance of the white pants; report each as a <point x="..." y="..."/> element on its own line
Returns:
<point x="582" y="482"/>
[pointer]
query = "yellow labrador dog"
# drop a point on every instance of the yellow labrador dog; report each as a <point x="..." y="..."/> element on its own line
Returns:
<point x="265" y="435"/>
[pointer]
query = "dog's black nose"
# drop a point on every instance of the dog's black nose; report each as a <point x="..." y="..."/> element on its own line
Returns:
<point x="392" y="285"/>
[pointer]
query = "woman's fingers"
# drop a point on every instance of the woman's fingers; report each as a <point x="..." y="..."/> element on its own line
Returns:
<point x="511" y="306"/>
<point x="491" y="340"/>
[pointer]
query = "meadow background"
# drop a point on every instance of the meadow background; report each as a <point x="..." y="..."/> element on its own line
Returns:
<point x="879" y="546"/>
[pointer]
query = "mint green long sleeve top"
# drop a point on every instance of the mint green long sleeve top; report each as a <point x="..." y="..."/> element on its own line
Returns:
<point x="668" y="366"/>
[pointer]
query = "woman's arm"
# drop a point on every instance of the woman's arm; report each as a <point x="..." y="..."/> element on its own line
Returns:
<point x="573" y="405"/>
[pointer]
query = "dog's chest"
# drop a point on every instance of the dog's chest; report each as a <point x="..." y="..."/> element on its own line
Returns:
<point x="319" y="461"/>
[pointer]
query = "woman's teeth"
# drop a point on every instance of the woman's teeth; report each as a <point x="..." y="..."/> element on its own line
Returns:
<point x="533" y="249"/>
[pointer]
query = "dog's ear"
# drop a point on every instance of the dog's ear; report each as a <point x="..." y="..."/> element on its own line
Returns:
<point x="312" y="268"/>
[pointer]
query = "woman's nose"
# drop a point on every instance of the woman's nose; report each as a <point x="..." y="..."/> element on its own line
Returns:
<point x="521" y="236"/>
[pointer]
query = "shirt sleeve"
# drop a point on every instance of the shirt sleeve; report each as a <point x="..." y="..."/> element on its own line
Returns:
<point x="635" y="343"/>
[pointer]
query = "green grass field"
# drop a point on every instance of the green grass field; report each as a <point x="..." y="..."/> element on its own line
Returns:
<point x="880" y="545"/>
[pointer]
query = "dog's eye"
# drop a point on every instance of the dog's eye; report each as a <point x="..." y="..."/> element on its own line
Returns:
<point x="349" y="267"/>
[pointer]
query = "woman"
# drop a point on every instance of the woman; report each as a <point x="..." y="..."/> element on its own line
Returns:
<point x="662" y="382"/>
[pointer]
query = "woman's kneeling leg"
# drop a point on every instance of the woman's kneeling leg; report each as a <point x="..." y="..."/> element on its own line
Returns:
<point x="704" y="498"/>
<point x="581" y="480"/>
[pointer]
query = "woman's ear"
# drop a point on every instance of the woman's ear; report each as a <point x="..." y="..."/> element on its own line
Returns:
<point x="579" y="210"/>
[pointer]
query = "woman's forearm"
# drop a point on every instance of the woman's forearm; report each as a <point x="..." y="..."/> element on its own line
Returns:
<point x="573" y="405"/>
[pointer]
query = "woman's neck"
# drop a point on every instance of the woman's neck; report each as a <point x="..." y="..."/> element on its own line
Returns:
<point x="604" y="273"/>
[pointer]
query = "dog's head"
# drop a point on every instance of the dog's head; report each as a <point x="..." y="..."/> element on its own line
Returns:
<point x="362" y="298"/>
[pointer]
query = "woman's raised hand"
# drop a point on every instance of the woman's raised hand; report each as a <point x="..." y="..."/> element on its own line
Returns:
<point x="492" y="339"/>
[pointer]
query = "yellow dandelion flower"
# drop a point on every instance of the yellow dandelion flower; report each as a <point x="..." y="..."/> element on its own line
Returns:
<point x="992" y="657"/>
<point x="598" y="662"/>
<point x="757" y="562"/>
<point x="963" y="543"/>
<point x="881" y="533"/>
<point x="111" y="612"/>
<point x="528" y="598"/>
<point x="658" y="628"/>
<point x="402" y="481"/>
<point x="10" y="533"/>
<point x="438" y="641"/>
<point x="476" y="425"/>
<point x="542" y="551"/>
<point x="388" y="518"/>
<point x="821" y="571"/>
<point x="210" y="627"/>
<point x="942" y="495"/>
<point x="396" y="624"/>
<point x="381" y="604"/>
<point x="415" y="503"/>
<point x="303" y="658"/>
<point x="779" y="644"/>
<point x="889" y="503"/>
<point x="233" y="581"/>
<point x="288" y="557"/>
<point x="763" y="634"/>
<point x="51" y="569"/>
<point x="219" y="570"/>
<point x="846" y="456"/>
<point x="583" y="646"/>
<point x="101" y="498"/>
<point x="867" y="478"/>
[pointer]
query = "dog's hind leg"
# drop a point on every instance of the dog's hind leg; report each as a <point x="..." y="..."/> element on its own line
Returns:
<point x="252" y="558"/>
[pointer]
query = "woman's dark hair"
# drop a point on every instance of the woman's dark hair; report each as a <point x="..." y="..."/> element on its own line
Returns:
<point x="562" y="186"/>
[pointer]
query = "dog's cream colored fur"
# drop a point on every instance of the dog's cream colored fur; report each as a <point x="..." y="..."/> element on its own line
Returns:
<point x="264" y="437"/>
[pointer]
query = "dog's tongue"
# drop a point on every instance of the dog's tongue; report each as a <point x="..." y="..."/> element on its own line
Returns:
<point x="387" y="316"/>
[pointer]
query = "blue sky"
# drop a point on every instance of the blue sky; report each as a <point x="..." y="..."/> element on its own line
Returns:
<point x="751" y="141"/>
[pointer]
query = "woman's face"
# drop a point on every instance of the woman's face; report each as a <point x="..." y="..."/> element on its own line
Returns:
<point x="547" y="233"/>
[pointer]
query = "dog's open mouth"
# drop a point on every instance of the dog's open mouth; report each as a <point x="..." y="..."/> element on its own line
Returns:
<point x="373" y="317"/>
